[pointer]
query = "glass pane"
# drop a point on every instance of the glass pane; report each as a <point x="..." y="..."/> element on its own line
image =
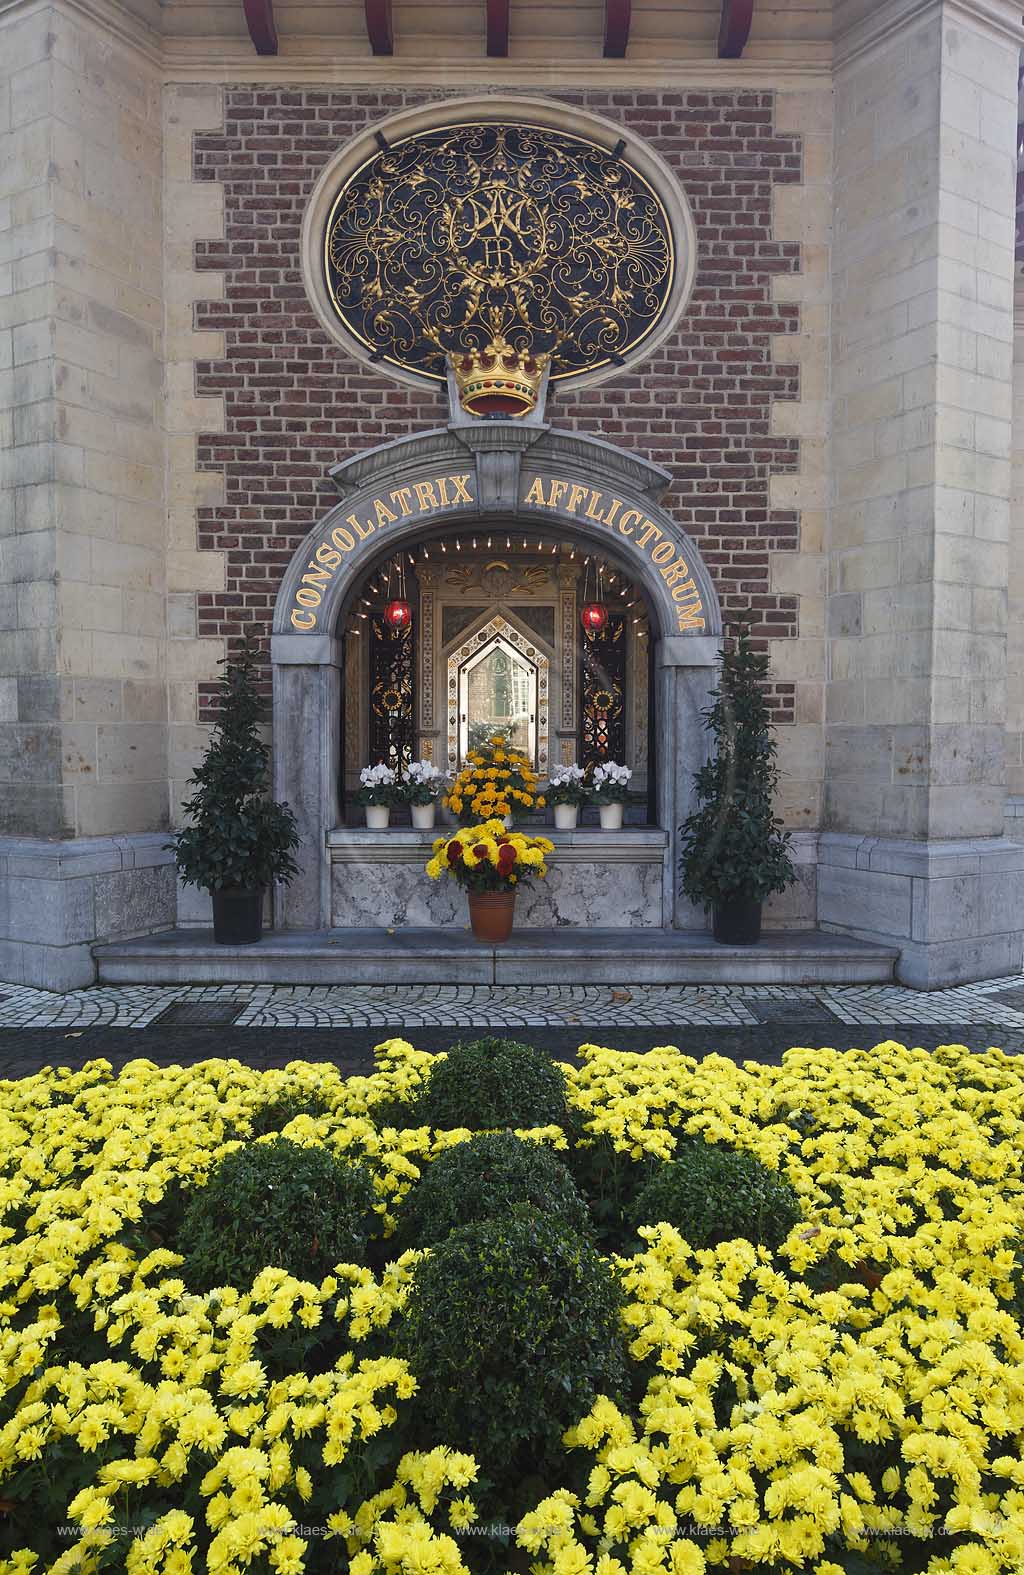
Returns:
<point x="500" y="698"/>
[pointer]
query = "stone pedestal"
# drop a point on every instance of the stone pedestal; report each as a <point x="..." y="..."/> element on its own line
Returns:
<point x="954" y="908"/>
<point x="58" y="898"/>
<point x="596" y="880"/>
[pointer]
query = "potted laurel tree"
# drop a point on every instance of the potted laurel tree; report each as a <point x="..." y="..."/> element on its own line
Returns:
<point x="609" y="790"/>
<point x="566" y="792"/>
<point x="238" y="840"/>
<point x="421" y="789"/>
<point x="377" y="791"/>
<point x="734" y="852"/>
<point x="492" y="864"/>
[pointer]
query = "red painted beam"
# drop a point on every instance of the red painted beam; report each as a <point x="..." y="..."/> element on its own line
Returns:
<point x="617" y="16"/>
<point x="737" y="16"/>
<point x="497" y="27"/>
<point x="378" y="26"/>
<point x="259" y="19"/>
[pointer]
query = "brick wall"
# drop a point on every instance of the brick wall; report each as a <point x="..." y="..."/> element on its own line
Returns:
<point x="295" y="402"/>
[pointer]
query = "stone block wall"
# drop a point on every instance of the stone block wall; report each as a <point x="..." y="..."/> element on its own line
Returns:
<point x="82" y="696"/>
<point x="922" y="348"/>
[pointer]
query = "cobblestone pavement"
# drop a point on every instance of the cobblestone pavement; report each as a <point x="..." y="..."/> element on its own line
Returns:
<point x="996" y="1002"/>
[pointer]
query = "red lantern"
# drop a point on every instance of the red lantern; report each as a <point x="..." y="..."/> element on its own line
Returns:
<point x="594" y="616"/>
<point x="398" y="615"/>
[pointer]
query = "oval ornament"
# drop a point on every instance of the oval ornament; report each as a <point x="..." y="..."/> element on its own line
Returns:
<point x="451" y="235"/>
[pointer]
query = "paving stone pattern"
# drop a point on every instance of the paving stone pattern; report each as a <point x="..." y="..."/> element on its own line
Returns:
<point x="398" y="1008"/>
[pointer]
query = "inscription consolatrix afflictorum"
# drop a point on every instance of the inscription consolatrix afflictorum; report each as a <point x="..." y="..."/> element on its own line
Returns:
<point x="443" y="493"/>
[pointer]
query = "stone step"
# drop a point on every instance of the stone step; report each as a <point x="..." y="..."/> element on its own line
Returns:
<point x="563" y="956"/>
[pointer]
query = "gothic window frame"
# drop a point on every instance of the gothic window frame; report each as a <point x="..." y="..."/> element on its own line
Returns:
<point x="476" y="644"/>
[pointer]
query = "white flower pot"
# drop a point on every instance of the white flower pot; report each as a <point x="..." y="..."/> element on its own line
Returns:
<point x="611" y="817"/>
<point x="566" y="816"/>
<point x="378" y="816"/>
<point x="423" y="816"/>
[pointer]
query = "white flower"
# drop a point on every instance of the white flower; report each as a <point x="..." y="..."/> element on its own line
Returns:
<point x="611" y="775"/>
<point x="423" y="772"/>
<point x="377" y="776"/>
<point x="567" y="776"/>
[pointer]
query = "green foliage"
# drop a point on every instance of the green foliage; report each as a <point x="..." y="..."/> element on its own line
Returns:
<point x="486" y="1178"/>
<point x="276" y="1205"/>
<point x="713" y="1195"/>
<point x="237" y="836"/>
<point x="490" y="1083"/>
<point x="277" y="1113"/>
<point x="512" y="1329"/>
<point x="734" y="845"/>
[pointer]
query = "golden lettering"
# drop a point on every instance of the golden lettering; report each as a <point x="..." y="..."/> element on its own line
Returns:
<point x="632" y="516"/>
<point x="328" y="556"/>
<point x="360" y="532"/>
<point x="384" y="514"/>
<point x="686" y="592"/>
<point x="662" y="552"/>
<point x="342" y="539"/>
<point x="425" y="496"/>
<point x="675" y="571"/>
<point x="687" y="618"/>
<point x="576" y="496"/>
<point x="536" y="493"/>
<point x="613" y="508"/>
<point x="315" y="576"/>
<point x="442" y="490"/>
<point x="462" y="495"/>
<point x="595" y="497"/>
<point x="558" y="491"/>
<point x="304" y="620"/>
<point x="306" y="596"/>
<point x="650" y="529"/>
<point x="404" y="497"/>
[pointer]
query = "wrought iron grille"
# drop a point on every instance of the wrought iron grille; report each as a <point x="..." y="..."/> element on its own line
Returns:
<point x="448" y="237"/>
<point x="392" y="693"/>
<point x="603" y="692"/>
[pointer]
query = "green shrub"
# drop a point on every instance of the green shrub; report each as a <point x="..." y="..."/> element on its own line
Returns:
<point x="713" y="1194"/>
<point x="276" y="1205"/>
<point x="486" y="1178"/>
<point x="512" y="1329"/>
<point x="491" y="1083"/>
<point x="277" y="1113"/>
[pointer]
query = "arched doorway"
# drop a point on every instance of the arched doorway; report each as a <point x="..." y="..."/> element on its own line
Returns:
<point x="483" y="475"/>
<point x="495" y="640"/>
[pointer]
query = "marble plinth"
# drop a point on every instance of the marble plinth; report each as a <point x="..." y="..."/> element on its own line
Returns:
<point x="596" y="880"/>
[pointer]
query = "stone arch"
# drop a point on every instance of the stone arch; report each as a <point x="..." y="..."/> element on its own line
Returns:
<point x="479" y="472"/>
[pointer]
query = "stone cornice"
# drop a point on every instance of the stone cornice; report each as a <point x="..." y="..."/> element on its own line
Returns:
<point x="1001" y="18"/>
<point x="311" y="60"/>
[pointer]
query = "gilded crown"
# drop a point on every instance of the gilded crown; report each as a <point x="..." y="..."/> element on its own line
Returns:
<point x="499" y="380"/>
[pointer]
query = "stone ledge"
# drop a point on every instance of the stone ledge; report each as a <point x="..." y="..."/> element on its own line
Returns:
<point x="405" y="845"/>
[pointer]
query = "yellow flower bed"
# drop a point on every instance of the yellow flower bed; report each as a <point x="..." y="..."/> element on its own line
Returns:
<point x="498" y="781"/>
<point x="834" y="1407"/>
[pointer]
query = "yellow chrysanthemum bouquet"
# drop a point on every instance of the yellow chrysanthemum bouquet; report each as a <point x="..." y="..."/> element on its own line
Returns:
<point x="489" y="858"/>
<point x="497" y="781"/>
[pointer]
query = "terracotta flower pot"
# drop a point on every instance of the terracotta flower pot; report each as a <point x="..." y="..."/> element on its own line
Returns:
<point x="491" y="914"/>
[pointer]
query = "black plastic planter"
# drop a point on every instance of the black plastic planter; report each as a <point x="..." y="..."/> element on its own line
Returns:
<point x="237" y="916"/>
<point x="737" y="922"/>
